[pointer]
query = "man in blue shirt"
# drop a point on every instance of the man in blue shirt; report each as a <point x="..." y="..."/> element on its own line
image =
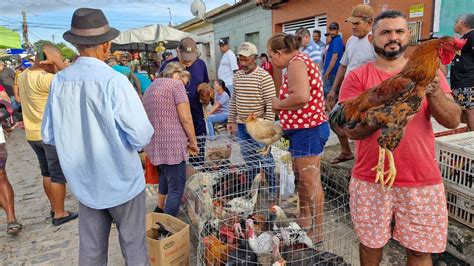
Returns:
<point x="97" y="123"/>
<point x="333" y="57"/>
<point x="309" y="46"/>
<point x="188" y="57"/>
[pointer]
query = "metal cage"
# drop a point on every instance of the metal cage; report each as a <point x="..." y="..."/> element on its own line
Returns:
<point x="244" y="208"/>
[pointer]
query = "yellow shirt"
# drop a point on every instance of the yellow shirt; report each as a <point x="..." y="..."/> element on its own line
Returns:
<point x="34" y="90"/>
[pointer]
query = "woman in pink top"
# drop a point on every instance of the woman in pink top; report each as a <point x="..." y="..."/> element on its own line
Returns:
<point x="167" y="106"/>
<point x="304" y="121"/>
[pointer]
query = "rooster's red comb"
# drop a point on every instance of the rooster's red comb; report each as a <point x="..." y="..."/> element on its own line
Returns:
<point x="459" y="42"/>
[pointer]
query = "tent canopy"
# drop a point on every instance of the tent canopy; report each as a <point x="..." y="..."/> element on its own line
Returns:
<point x="9" y="39"/>
<point x="146" y="38"/>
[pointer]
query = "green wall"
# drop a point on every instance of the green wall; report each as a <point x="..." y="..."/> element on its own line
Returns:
<point x="450" y="10"/>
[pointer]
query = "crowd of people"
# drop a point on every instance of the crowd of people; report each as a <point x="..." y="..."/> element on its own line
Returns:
<point x="113" y="110"/>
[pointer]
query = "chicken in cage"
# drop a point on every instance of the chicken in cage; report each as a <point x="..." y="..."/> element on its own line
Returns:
<point x="242" y="209"/>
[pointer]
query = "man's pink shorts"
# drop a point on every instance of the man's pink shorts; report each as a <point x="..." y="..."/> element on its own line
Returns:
<point x="421" y="215"/>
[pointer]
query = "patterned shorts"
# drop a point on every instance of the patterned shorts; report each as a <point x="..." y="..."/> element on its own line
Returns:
<point x="421" y="216"/>
<point x="464" y="97"/>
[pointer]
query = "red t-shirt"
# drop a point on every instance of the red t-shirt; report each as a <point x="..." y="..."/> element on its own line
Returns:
<point x="311" y="114"/>
<point x="415" y="155"/>
<point x="267" y="66"/>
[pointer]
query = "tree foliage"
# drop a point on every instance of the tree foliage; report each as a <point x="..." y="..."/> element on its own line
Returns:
<point x="66" y="51"/>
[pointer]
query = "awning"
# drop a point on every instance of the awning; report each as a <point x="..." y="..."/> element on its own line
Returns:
<point x="9" y="39"/>
<point x="146" y="38"/>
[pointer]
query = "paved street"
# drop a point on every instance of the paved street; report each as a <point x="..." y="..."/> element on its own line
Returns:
<point x="40" y="242"/>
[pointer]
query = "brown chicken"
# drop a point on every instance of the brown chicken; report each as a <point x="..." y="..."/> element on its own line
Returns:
<point x="216" y="251"/>
<point x="206" y="96"/>
<point x="263" y="131"/>
<point x="389" y="105"/>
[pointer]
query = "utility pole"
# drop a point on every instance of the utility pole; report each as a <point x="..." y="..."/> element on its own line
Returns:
<point x="169" y="10"/>
<point x="53" y="38"/>
<point x="25" y="32"/>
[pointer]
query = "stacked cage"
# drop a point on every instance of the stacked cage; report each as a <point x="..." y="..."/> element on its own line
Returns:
<point x="455" y="155"/>
<point x="245" y="208"/>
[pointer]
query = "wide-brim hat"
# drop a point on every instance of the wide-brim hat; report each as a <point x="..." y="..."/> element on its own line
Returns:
<point x="88" y="27"/>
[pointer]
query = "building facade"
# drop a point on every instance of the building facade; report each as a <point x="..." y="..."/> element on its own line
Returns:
<point x="242" y="22"/>
<point x="287" y="16"/>
<point x="205" y="29"/>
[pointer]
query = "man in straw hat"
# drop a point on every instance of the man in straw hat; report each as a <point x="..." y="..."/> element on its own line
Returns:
<point x="97" y="123"/>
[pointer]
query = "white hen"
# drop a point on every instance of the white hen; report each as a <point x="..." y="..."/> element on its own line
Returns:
<point x="262" y="244"/>
<point x="244" y="205"/>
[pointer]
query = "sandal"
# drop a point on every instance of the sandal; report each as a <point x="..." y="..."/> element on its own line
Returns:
<point x="341" y="158"/>
<point x="14" y="228"/>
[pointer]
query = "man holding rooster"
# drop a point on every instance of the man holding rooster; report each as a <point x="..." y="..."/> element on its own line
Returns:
<point x="417" y="200"/>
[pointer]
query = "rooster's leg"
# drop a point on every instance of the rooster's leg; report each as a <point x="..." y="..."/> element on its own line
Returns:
<point x="392" y="171"/>
<point x="380" y="167"/>
<point x="265" y="150"/>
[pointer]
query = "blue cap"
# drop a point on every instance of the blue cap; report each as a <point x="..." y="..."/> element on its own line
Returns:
<point x="26" y="63"/>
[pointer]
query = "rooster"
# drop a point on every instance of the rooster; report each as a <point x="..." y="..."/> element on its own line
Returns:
<point x="390" y="104"/>
<point x="290" y="232"/>
<point x="216" y="252"/>
<point x="263" y="131"/>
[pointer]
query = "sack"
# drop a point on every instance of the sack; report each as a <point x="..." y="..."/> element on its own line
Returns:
<point x="287" y="180"/>
<point x="151" y="174"/>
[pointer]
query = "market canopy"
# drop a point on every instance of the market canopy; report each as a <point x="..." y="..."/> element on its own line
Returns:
<point x="9" y="39"/>
<point x="147" y="38"/>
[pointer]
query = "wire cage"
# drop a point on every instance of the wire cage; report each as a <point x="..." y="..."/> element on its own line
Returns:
<point x="250" y="209"/>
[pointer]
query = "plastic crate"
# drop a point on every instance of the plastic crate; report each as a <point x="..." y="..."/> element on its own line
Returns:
<point x="450" y="132"/>
<point x="455" y="155"/>
<point x="460" y="206"/>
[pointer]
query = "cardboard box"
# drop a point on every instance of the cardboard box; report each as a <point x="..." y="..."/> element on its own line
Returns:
<point x="173" y="250"/>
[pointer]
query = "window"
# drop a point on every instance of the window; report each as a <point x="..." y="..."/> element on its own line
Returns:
<point x="315" y="23"/>
<point x="415" y="29"/>
<point x="253" y="37"/>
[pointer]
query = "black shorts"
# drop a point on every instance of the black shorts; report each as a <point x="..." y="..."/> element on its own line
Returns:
<point x="48" y="161"/>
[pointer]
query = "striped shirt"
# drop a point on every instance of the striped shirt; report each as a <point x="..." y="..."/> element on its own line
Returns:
<point x="253" y="93"/>
<point x="313" y="51"/>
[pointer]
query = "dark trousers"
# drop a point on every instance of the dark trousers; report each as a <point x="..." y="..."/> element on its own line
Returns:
<point x="253" y="160"/>
<point x="94" y="230"/>
<point x="172" y="182"/>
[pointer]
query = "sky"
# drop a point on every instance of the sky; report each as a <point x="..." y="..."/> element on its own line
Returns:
<point x="48" y="19"/>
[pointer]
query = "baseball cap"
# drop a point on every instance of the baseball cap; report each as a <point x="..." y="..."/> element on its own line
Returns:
<point x="360" y="12"/>
<point x="223" y="42"/>
<point x="334" y="26"/>
<point x="188" y="49"/>
<point x="247" y="49"/>
<point x="165" y="54"/>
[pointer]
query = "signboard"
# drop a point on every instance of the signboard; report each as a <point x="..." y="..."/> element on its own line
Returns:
<point x="416" y="11"/>
<point x="15" y="51"/>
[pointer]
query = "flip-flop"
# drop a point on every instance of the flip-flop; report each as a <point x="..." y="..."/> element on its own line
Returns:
<point x="340" y="159"/>
<point x="14" y="228"/>
<point x="62" y="220"/>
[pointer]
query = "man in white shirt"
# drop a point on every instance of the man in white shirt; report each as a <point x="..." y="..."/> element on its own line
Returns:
<point x="228" y="65"/>
<point x="359" y="50"/>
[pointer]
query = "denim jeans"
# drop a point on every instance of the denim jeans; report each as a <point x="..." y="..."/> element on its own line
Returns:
<point x="212" y="119"/>
<point x="231" y="89"/>
<point x="172" y="182"/>
<point x="327" y="85"/>
<point x="251" y="155"/>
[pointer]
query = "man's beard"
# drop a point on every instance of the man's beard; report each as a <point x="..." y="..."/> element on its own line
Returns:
<point x="248" y="68"/>
<point x="390" y="55"/>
